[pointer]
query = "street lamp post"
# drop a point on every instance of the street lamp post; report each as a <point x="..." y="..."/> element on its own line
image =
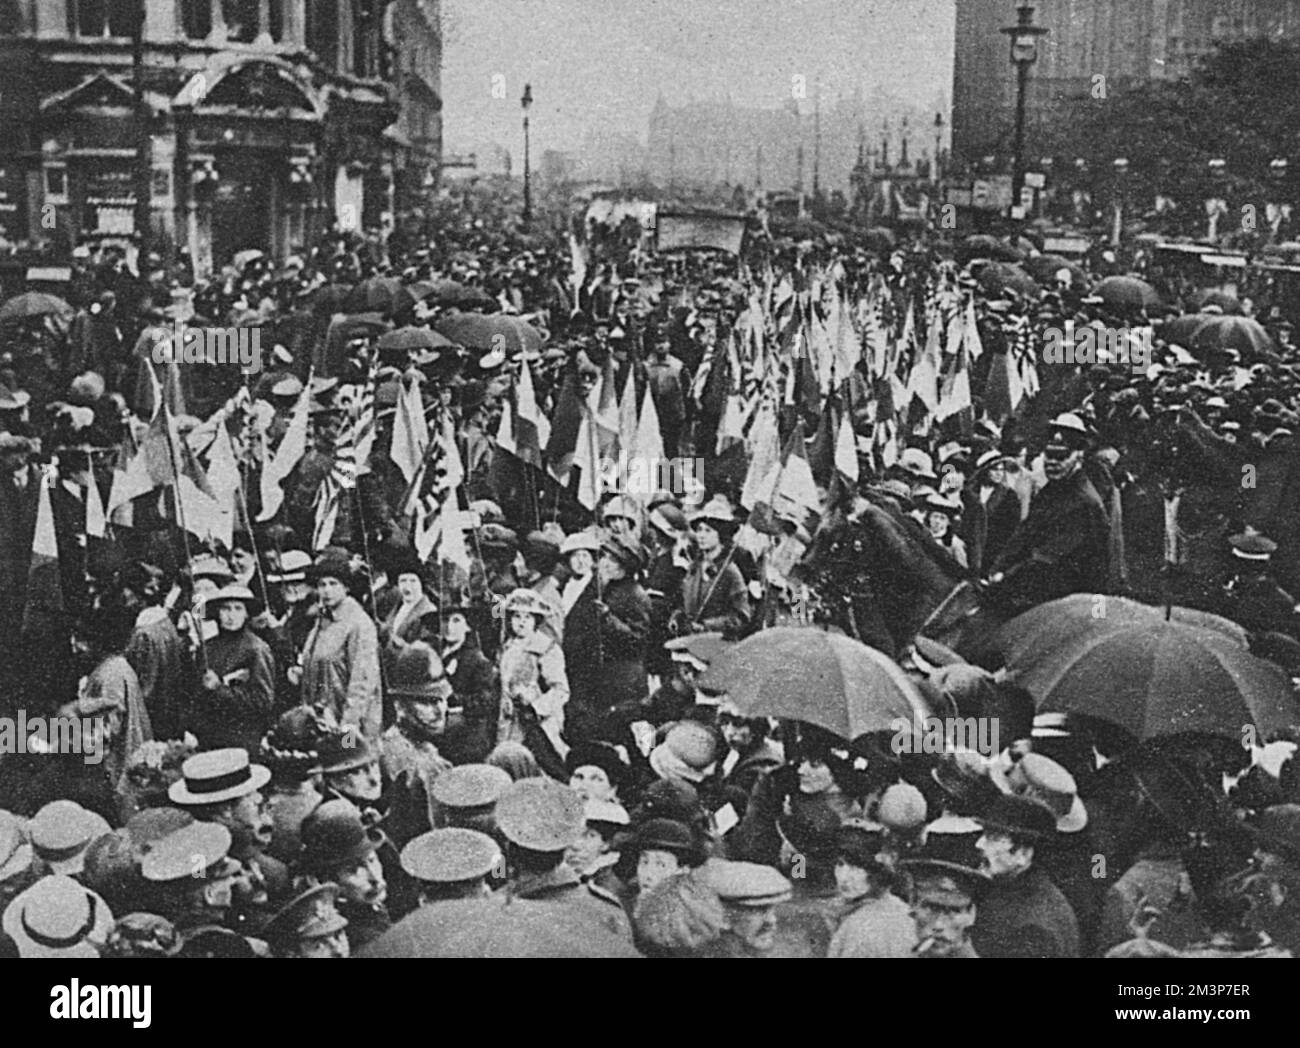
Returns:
<point x="526" y="103"/>
<point x="1024" y="53"/>
<point x="938" y="147"/>
<point x="143" y="141"/>
<point x="1121" y="166"/>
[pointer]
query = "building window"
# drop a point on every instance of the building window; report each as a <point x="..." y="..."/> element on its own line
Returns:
<point x="275" y="17"/>
<point x="241" y="20"/>
<point x="56" y="185"/>
<point x="100" y="18"/>
<point x="323" y="31"/>
<point x="11" y="19"/>
<point x="196" y="18"/>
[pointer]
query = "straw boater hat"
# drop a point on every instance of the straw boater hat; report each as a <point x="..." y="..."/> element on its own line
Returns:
<point x="57" y="917"/>
<point x="236" y="592"/>
<point x="1042" y="779"/>
<point x="293" y="567"/>
<point x="217" y="776"/>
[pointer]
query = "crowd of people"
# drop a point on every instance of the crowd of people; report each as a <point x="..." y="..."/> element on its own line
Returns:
<point x="332" y="730"/>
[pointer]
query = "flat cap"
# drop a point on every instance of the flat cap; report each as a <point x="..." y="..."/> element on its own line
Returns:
<point x="540" y="815"/>
<point x="470" y="786"/>
<point x="746" y="883"/>
<point x="450" y="856"/>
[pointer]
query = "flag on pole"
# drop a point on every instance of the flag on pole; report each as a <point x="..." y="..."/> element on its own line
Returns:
<point x="293" y="445"/>
<point x="410" y="432"/>
<point x="44" y="584"/>
<point x="532" y="429"/>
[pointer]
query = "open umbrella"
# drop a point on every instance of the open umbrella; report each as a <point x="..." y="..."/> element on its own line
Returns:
<point x="496" y="927"/>
<point x="1244" y="334"/>
<point x="1127" y="293"/>
<point x="329" y="299"/>
<point x="31" y="304"/>
<point x="385" y="295"/>
<point x="487" y="333"/>
<point x="1122" y="662"/>
<point x="998" y="277"/>
<point x="981" y="245"/>
<point x="413" y="338"/>
<point x="805" y="673"/>
<point x="1179" y="330"/>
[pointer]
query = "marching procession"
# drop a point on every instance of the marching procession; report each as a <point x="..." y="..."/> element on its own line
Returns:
<point x="376" y="656"/>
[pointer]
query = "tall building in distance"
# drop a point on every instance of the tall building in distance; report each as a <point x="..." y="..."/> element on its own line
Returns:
<point x="1126" y="41"/>
<point x="268" y="121"/>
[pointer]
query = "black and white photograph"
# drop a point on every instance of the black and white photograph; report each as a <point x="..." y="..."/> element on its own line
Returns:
<point x="779" y="479"/>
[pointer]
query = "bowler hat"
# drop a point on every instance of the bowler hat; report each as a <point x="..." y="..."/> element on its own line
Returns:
<point x="668" y="835"/>
<point x="540" y="815"/>
<point x="334" y="836"/>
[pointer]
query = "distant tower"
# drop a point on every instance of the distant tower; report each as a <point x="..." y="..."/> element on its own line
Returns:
<point x="798" y="179"/>
<point x="758" y="166"/>
<point x="884" y="146"/>
<point x="817" y="143"/>
<point x="902" y="160"/>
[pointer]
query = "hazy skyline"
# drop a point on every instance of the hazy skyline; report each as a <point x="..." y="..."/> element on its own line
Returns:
<point x="600" y="65"/>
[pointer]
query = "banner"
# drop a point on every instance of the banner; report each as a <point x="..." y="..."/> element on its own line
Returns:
<point x="682" y="231"/>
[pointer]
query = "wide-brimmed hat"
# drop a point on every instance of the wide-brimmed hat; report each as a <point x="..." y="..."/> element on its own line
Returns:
<point x="540" y="815"/>
<point x="1043" y="779"/>
<point x="335" y="836"/>
<point x="61" y="832"/>
<point x="630" y="556"/>
<point x="624" y="507"/>
<point x="216" y="776"/>
<point x="57" y="917"/>
<point x="954" y="882"/>
<point x="587" y="540"/>
<point x="918" y="464"/>
<point x="293" y="567"/>
<point x="199" y="849"/>
<point x="717" y="512"/>
<point x="234" y="592"/>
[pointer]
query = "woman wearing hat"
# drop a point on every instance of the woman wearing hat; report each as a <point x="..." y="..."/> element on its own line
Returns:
<point x="877" y="923"/>
<point x="942" y="512"/>
<point x="714" y="594"/>
<point x="404" y="623"/>
<point x="534" y="685"/>
<point x="340" y="664"/>
<point x="602" y="710"/>
<point x="236" y="702"/>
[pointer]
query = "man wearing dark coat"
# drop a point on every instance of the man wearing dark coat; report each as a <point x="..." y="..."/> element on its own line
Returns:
<point x="1063" y="545"/>
<point x="1023" y="914"/>
<point x="19" y="495"/>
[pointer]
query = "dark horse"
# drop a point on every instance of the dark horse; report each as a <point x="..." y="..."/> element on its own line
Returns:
<point x="880" y="577"/>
